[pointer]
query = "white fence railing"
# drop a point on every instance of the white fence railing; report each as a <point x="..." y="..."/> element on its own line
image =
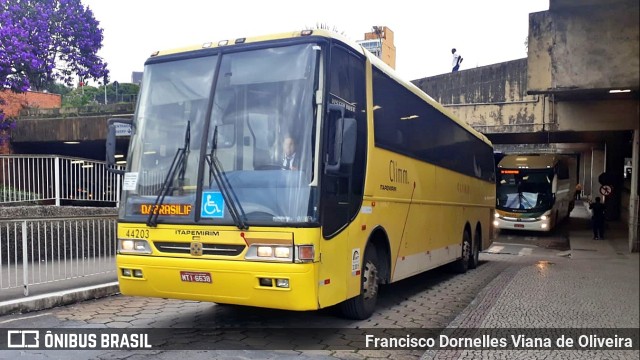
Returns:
<point x="38" y="251"/>
<point x="56" y="179"/>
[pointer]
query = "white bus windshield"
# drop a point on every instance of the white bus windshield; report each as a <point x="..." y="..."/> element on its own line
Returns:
<point x="525" y="190"/>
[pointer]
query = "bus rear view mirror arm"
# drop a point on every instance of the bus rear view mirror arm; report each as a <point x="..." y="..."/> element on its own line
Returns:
<point x="342" y="139"/>
<point x="111" y="143"/>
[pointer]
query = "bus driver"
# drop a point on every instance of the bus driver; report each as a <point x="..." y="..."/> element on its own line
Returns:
<point x="290" y="160"/>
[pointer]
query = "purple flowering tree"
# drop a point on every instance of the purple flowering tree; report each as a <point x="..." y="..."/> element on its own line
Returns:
<point x="44" y="41"/>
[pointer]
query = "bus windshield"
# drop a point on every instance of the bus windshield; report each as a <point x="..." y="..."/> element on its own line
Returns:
<point x="250" y="138"/>
<point x="524" y="190"/>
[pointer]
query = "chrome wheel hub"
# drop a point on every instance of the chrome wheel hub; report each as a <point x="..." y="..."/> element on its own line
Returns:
<point x="370" y="281"/>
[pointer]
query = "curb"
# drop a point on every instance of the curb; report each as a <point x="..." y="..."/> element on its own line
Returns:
<point x="60" y="298"/>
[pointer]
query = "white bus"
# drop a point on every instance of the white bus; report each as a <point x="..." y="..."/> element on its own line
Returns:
<point x="534" y="191"/>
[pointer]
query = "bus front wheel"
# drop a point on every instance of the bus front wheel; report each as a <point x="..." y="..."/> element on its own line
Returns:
<point x="362" y="306"/>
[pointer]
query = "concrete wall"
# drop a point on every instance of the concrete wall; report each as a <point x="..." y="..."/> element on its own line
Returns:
<point x="577" y="46"/>
<point x="493" y="99"/>
<point x="34" y="212"/>
<point x="67" y="124"/>
<point x="585" y="178"/>
<point x="597" y="115"/>
<point x="597" y="168"/>
<point x="61" y="129"/>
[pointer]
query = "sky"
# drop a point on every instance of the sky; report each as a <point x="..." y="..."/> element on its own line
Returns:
<point x="483" y="31"/>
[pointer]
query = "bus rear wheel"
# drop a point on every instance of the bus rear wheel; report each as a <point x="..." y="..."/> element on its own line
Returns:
<point x="462" y="265"/>
<point x="362" y="306"/>
<point x="474" y="260"/>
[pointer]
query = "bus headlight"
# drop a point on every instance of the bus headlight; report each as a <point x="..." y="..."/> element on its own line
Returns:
<point x="281" y="252"/>
<point x="133" y="246"/>
<point x="265" y="252"/>
<point x="546" y="216"/>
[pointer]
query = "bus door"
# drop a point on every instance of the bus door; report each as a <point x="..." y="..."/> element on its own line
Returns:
<point x="344" y="135"/>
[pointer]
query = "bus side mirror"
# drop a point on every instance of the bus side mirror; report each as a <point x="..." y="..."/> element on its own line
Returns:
<point x="114" y="126"/>
<point x="341" y="145"/>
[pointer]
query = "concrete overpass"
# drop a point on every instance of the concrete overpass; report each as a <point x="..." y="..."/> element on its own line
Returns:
<point x="77" y="132"/>
<point x="562" y="97"/>
<point x="576" y="92"/>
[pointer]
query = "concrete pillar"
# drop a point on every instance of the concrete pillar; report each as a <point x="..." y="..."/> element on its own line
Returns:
<point x="585" y="179"/>
<point x="614" y="165"/>
<point x="597" y="168"/>
<point x="634" y="203"/>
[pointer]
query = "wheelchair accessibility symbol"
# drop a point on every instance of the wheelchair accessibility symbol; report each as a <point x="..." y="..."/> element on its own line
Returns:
<point x="212" y="205"/>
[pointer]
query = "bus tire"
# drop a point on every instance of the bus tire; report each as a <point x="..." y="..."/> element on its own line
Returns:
<point x="362" y="306"/>
<point x="474" y="260"/>
<point x="462" y="265"/>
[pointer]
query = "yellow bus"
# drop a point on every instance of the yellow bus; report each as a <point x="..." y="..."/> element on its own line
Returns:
<point x="295" y="171"/>
<point x="534" y="191"/>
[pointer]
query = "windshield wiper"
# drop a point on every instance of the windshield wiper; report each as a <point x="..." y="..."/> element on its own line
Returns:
<point x="215" y="170"/>
<point x="179" y="161"/>
<point x="524" y="201"/>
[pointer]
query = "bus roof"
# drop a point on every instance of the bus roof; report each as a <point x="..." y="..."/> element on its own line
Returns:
<point x="375" y="61"/>
<point x="529" y="161"/>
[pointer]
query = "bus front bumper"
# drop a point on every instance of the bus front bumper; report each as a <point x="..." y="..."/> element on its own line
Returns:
<point x="528" y="225"/>
<point x="221" y="281"/>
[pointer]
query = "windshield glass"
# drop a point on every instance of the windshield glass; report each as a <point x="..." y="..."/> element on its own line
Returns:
<point x="260" y="134"/>
<point x="524" y="190"/>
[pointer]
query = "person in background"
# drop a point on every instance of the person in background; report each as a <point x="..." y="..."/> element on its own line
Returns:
<point x="597" y="219"/>
<point x="457" y="60"/>
<point x="578" y="194"/>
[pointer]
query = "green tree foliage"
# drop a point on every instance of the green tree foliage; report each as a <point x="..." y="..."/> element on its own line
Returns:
<point x="90" y="95"/>
<point x="126" y="93"/>
<point x="42" y="41"/>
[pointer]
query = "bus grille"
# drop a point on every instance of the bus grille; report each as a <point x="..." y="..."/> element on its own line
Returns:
<point x="207" y="249"/>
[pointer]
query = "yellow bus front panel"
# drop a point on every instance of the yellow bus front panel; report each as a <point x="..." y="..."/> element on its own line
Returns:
<point x="175" y="268"/>
<point x="233" y="282"/>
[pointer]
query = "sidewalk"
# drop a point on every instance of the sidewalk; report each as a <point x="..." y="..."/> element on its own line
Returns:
<point x="58" y="293"/>
<point x="593" y="286"/>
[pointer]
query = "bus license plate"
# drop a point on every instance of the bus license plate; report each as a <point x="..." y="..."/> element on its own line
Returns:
<point x="191" y="276"/>
<point x="518" y="225"/>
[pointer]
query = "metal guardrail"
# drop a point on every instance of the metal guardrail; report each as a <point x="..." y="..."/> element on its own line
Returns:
<point x="38" y="251"/>
<point x="56" y="179"/>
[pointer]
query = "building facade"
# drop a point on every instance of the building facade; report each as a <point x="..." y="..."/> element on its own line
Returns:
<point x="380" y="43"/>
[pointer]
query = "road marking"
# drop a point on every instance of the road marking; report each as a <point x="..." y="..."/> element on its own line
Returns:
<point x="495" y="249"/>
<point x="514" y="244"/>
<point x="525" y="252"/>
<point x="24" y="318"/>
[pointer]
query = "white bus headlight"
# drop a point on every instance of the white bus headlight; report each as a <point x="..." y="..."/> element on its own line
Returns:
<point x="265" y="251"/>
<point x="543" y="217"/>
<point x="133" y="246"/>
<point x="282" y="252"/>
